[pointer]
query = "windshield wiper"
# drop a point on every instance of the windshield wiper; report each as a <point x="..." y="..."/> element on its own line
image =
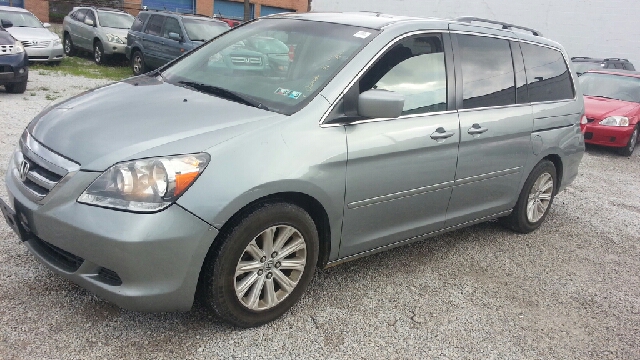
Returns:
<point x="223" y="93"/>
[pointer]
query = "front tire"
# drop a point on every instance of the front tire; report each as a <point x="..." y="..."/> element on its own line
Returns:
<point x="262" y="266"/>
<point x="137" y="63"/>
<point x="535" y="199"/>
<point x="98" y="53"/>
<point x="16" y="88"/>
<point x="631" y="145"/>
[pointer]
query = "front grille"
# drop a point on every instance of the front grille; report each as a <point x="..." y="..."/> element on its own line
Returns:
<point x="6" y="69"/>
<point x="109" y="277"/>
<point x="588" y="135"/>
<point x="62" y="259"/>
<point x="35" y="44"/>
<point x="38" y="169"/>
<point x="6" y="49"/>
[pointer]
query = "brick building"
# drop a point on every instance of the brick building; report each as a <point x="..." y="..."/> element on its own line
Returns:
<point x="226" y="8"/>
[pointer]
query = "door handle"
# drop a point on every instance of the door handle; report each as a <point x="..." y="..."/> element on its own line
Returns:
<point x="441" y="134"/>
<point x="476" y="129"/>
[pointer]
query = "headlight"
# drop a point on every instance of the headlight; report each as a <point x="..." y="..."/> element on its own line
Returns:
<point x="114" y="39"/>
<point x="17" y="48"/>
<point x="145" y="185"/>
<point x="57" y="42"/>
<point x="615" y="121"/>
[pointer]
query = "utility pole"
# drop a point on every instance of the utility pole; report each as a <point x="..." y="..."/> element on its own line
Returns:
<point x="247" y="10"/>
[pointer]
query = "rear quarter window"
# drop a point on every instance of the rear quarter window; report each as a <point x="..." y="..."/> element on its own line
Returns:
<point x="547" y="74"/>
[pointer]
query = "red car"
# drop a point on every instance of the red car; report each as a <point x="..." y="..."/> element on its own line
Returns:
<point x="612" y="109"/>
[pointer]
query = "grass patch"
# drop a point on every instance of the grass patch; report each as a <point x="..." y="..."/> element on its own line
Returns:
<point x="79" y="66"/>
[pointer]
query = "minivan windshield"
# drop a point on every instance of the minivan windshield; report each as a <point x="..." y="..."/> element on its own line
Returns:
<point x="21" y="19"/>
<point x="203" y="30"/>
<point x="115" y="20"/>
<point x="625" y="88"/>
<point x="274" y="64"/>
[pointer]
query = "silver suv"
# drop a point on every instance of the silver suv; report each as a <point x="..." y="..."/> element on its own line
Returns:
<point x="102" y="31"/>
<point x="213" y="174"/>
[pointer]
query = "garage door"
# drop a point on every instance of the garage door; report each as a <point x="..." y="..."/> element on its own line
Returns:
<point x="182" y="6"/>
<point x="230" y="9"/>
<point x="16" y="3"/>
<point x="270" y="10"/>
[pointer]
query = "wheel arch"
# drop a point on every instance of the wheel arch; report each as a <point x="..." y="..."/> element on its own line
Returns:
<point x="557" y="162"/>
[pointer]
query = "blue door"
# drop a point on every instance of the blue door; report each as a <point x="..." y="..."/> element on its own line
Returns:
<point x="16" y="3"/>
<point x="230" y="9"/>
<point x="181" y="6"/>
<point x="270" y="10"/>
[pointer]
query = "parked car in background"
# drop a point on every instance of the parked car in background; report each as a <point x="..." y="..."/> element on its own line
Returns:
<point x="257" y="54"/>
<point x="583" y="64"/>
<point x="14" y="63"/>
<point x="612" y="109"/>
<point x="384" y="131"/>
<point x="157" y="37"/>
<point x="101" y="31"/>
<point x="40" y="44"/>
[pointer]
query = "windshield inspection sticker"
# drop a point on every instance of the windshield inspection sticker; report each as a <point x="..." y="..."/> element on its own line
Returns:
<point x="283" y="92"/>
<point x="362" y="34"/>
<point x="295" y="94"/>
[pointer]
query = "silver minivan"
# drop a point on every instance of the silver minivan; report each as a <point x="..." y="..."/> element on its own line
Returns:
<point x="214" y="177"/>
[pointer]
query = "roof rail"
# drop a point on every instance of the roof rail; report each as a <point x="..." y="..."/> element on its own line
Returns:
<point x="469" y="19"/>
<point x="580" y="57"/>
<point x="109" y="9"/>
<point x="615" y="59"/>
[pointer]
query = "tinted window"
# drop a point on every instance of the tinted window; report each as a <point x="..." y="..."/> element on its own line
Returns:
<point x="91" y="16"/>
<point x="487" y="72"/>
<point x="618" y="66"/>
<point x="171" y="25"/>
<point x="547" y="74"/>
<point x="629" y="66"/>
<point x="139" y="21"/>
<point x="414" y="67"/>
<point x="154" y="25"/>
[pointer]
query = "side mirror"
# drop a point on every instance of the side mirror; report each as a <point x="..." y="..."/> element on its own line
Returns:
<point x="380" y="104"/>
<point x="6" y="23"/>
<point x="175" y="36"/>
<point x="89" y="22"/>
<point x="46" y="25"/>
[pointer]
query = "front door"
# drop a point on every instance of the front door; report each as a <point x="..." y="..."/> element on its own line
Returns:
<point x="400" y="172"/>
<point x="171" y="48"/>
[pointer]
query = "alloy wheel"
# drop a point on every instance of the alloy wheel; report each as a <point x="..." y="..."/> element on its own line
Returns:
<point x="539" y="197"/>
<point x="270" y="267"/>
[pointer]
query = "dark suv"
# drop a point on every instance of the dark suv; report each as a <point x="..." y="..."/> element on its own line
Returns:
<point x="582" y="64"/>
<point x="14" y="62"/>
<point x="157" y="37"/>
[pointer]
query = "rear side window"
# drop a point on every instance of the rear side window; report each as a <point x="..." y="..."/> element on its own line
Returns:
<point x="154" y="25"/>
<point x="547" y="74"/>
<point x="487" y="72"/>
<point x="628" y="66"/>
<point x="139" y="21"/>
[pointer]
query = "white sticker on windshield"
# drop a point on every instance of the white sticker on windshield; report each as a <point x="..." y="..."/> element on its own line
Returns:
<point x="362" y="34"/>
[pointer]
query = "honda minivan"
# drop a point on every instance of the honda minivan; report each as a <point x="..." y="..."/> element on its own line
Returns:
<point x="237" y="183"/>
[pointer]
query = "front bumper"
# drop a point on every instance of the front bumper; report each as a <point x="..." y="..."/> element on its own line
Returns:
<point x="13" y="69"/>
<point x="50" y="53"/>
<point x="114" y="48"/>
<point x="613" y="136"/>
<point x="142" y="262"/>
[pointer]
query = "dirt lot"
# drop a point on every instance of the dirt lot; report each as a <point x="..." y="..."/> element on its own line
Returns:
<point x="569" y="290"/>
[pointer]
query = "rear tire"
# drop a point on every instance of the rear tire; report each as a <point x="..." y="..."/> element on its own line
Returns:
<point x="16" y="88"/>
<point x="137" y="63"/>
<point x="262" y="266"/>
<point x="631" y="145"/>
<point x="535" y="199"/>
<point x="68" y="47"/>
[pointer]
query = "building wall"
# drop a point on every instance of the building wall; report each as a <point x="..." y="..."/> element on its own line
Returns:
<point x="39" y="8"/>
<point x="205" y="7"/>
<point x="596" y="28"/>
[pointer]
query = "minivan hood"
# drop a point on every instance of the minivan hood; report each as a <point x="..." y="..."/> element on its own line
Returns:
<point x="140" y="117"/>
<point x="599" y="108"/>
<point x="28" y="33"/>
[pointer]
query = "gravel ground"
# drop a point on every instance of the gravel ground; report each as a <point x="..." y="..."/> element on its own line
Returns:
<point x="569" y="290"/>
